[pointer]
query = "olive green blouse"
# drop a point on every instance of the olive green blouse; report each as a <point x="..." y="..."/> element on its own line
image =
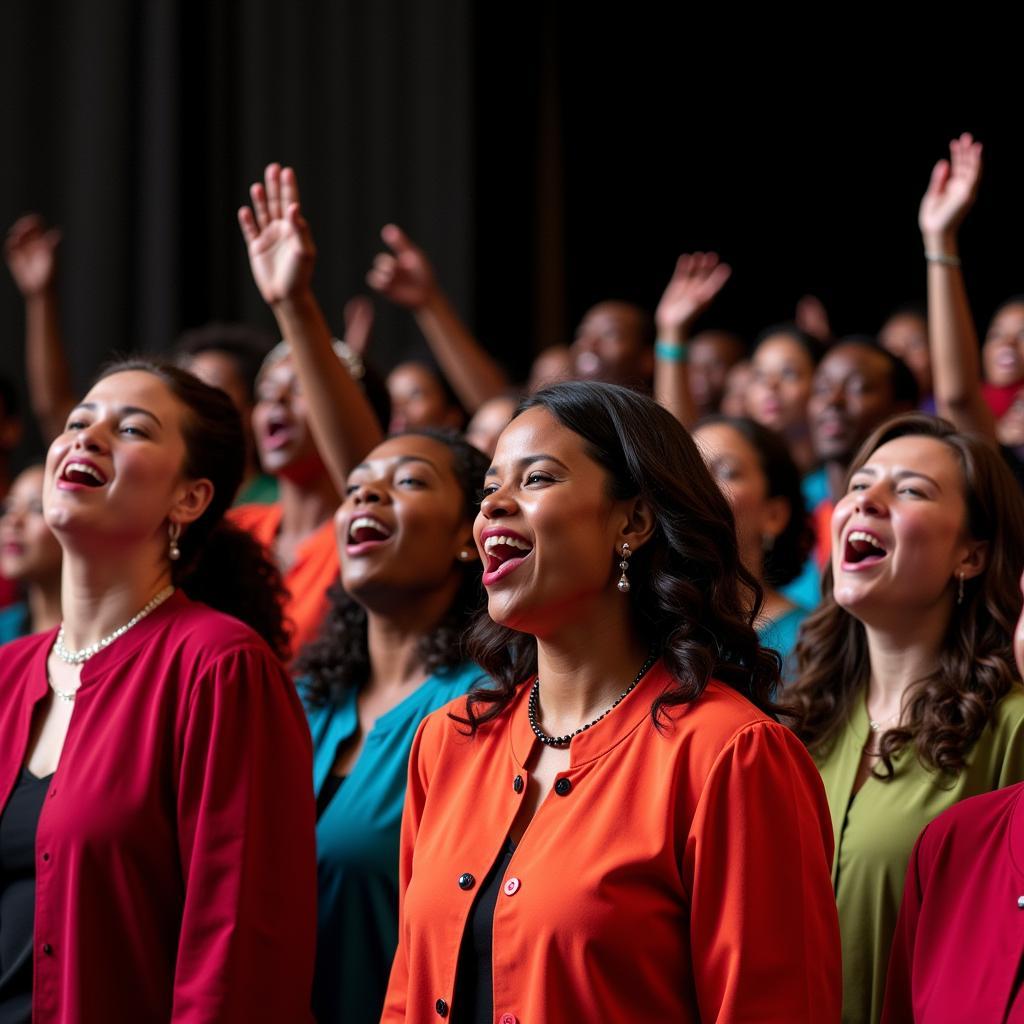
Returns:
<point x="876" y="828"/>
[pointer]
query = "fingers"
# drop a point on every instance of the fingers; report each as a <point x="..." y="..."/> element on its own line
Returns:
<point x="358" y="324"/>
<point x="289" y="187"/>
<point x="396" y="239"/>
<point x="260" y="206"/>
<point x="272" y="177"/>
<point x="940" y="175"/>
<point x="301" y="225"/>
<point x="247" y="222"/>
<point x="382" y="273"/>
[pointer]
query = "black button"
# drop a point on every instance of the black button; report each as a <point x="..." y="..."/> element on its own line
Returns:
<point x="442" y="1008"/>
<point x="466" y="881"/>
<point x="47" y="949"/>
<point x="46" y="856"/>
<point x="517" y="783"/>
<point x="562" y="787"/>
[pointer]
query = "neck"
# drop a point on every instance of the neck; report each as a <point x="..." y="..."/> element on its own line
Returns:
<point x="775" y="604"/>
<point x="100" y="594"/>
<point x="304" y="508"/>
<point x="585" y="666"/>
<point x="394" y="637"/>
<point x="835" y="471"/>
<point x="44" y="605"/>
<point x="902" y="653"/>
<point x="802" y="450"/>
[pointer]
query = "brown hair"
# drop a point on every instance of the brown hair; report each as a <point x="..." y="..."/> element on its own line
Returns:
<point x="948" y="709"/>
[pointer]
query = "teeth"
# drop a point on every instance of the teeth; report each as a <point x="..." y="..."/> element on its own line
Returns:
<point x="505" y="541"/>
<point x="81" y="467"/>
<point x="867" y="538"/>
<point x="366" y="523"/>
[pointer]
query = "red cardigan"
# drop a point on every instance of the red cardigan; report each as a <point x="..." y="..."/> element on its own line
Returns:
<point x="681" y="875"/>
<point x="175" y="871"/>
<point x="959" y="943"/>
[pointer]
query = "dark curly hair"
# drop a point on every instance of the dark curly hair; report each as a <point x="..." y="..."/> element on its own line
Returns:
<point x="220" y="565"/>
<point x="786" y="559"/>
<point x="339" y="658"/>
<point x="692" y="601"/>
<point x="814" y="349"/>
<point x="947" y="710"/>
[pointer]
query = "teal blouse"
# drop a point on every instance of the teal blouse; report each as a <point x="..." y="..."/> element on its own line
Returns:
<point x="781" y="635"/>
<point x="357" y="840"/>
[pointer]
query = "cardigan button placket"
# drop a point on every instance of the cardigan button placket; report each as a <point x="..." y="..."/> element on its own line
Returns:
<point x="466" y="881"/>
<point x="562" y="787"/>
<point x="441" y="1008"/>
<point x="518" y="784"/>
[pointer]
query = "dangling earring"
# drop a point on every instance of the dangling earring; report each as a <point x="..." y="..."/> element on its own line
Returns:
<point x="174" y="532"/>
<point x="960" y="589"/>
<point x="623" y="583"/>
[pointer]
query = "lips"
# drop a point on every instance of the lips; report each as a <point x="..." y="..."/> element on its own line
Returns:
<point x="365" y="533"/>
<point x="504" y="552"/>
<point x="861" y="549"/>
<point x="278" y="433"/>
<point x="82" y="473"/>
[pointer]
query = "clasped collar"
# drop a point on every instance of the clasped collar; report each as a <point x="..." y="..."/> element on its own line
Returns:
<point x="599" y="739"/>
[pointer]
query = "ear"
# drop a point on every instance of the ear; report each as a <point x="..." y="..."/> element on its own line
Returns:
<point x="466" y="553"/>
<point x="974" y="561"/>
<point x="776" y="517"/>
<point x="192" y="501"/>
<point x="637" y="525"/>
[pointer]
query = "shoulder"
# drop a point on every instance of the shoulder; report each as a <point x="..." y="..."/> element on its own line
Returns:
<point x="445" y="731"/>
<point x="451" y="684"/>
<point x="256" y="518"/>
<point x="24" y="648"/>
<point x="1009" y="712"/>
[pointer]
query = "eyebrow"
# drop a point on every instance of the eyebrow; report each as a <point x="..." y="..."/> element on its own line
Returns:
<point x="125" y="410"/>
<point x="529" y="460"/>
<point x="902" y="474"/>
<point x="401" y="461"/>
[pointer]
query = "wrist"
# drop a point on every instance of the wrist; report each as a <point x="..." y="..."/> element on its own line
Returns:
<point x="667" y="350"/>
<point x="298" y="304"/>
<point x="673" y="332"/>
<point x="940" y="242"/>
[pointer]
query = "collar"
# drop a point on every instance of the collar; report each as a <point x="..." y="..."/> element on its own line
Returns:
<point x="634" y="710"/>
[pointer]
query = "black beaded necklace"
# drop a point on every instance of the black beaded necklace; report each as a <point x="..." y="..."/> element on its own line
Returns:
<point x="563" y="741"/>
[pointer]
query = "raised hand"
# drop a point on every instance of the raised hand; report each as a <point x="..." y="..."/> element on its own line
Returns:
<point x="951" y="191"/>
<point x="358" y="324"/>
<point x="31" y="254"/>
<point x="403" y="275"/>
<point x="812" y="318"/>
<point x="697" y="279"/>
<point x="281" y="249"/>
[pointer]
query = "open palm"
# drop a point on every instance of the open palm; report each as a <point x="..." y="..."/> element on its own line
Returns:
<point x="281" y="249"/>
<point x="697" y="279"/>
<point x="952" y="189"/>
<point x="31" y="254"/>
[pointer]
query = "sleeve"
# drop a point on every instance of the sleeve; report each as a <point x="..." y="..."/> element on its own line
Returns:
<point x="899" y="1004"/>
<point x="412" y="815"/>
<point x="763" y="922"/>
<point x="246" y="834"/>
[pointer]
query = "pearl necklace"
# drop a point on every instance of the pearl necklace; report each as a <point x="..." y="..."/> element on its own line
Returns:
<point x="82" y="656"/>
<point x="563" y="741"/>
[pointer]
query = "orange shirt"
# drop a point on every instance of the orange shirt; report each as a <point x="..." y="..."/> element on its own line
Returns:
<point x="677" y="875"/>
<point x="822" y="516"/>
<point x="315" y="568"/>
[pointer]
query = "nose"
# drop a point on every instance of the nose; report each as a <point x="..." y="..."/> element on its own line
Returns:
<point x="497" y="505"/>
<point x="368" y="493"/>
<point x="90" y="437"/>
<point x="869" y="501"/>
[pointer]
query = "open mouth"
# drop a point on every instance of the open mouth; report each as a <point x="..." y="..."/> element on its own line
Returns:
<point x="83" y="474"/>
<point x="367" y="530"/>
<point x="505" y="552"/>
<point x="862" y="548"/>
<point x="278" y="433"/>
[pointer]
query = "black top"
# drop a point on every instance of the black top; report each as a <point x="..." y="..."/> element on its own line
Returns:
<point x="18" y="895"/>
<point x="331" y="786"/>
<point x="474" y="984"/>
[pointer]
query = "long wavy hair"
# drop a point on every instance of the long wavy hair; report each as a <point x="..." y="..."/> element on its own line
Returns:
<point x="339" y="659"/>
<point x="220" y="565"/>
<point x="947" y="710"/>
<point x="692" y="601"/>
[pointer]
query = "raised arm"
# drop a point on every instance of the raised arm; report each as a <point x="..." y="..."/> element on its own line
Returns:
<point x="695" y="282"/>
<point x="282" y="254"/>
<point x="956" y="363"/>
<point x="31" y="254"/>
<point x="406" y="277"/>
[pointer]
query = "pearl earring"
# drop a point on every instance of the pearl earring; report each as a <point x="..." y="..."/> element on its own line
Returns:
<point x="174" y="532"/>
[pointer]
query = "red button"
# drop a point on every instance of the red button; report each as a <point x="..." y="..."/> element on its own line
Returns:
<point x="511" y="887"/>
<point x="508" y="1018"/>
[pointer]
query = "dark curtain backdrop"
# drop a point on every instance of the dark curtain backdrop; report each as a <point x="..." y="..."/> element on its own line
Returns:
<point x="137" y="128"/>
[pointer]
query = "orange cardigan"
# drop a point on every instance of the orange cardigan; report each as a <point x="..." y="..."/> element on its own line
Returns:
<point x="677" y="875"/>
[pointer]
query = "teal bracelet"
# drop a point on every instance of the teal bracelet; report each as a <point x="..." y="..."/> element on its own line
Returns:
<point x="671" y="351"/>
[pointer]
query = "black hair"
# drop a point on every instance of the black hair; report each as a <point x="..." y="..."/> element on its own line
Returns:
<point x="814" y="348"/>
<point x="451" y="400"/>
<point x="905" y="389"/>
<point x="693" y="602"/>
<point x="339" y="659"/>
<point x="220" y="565"/>
<point x="789" y="552"/>
<point x="246" y="347"/>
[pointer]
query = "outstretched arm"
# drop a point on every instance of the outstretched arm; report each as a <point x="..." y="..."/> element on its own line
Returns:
<point x="406" y="277"/>
<point x="282" y="254"/>
<point x="695" y="282"/>
<point x="956" y="366"/>
<point x="31" y="253"/>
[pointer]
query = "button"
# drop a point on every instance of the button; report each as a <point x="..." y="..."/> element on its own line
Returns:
<point x="46" y="857"/>
<point x="511" y="887"/>
<point x="441" y="1007"/>
<point x="1020" y="902"/>
<point x="562" y="787"/>
<point x="47" y="949"/>
<point x="466" y="881"/>
<point x="508" y="1018"/>
<point x="52" y="793"/>
<point x="517" y="783"/>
